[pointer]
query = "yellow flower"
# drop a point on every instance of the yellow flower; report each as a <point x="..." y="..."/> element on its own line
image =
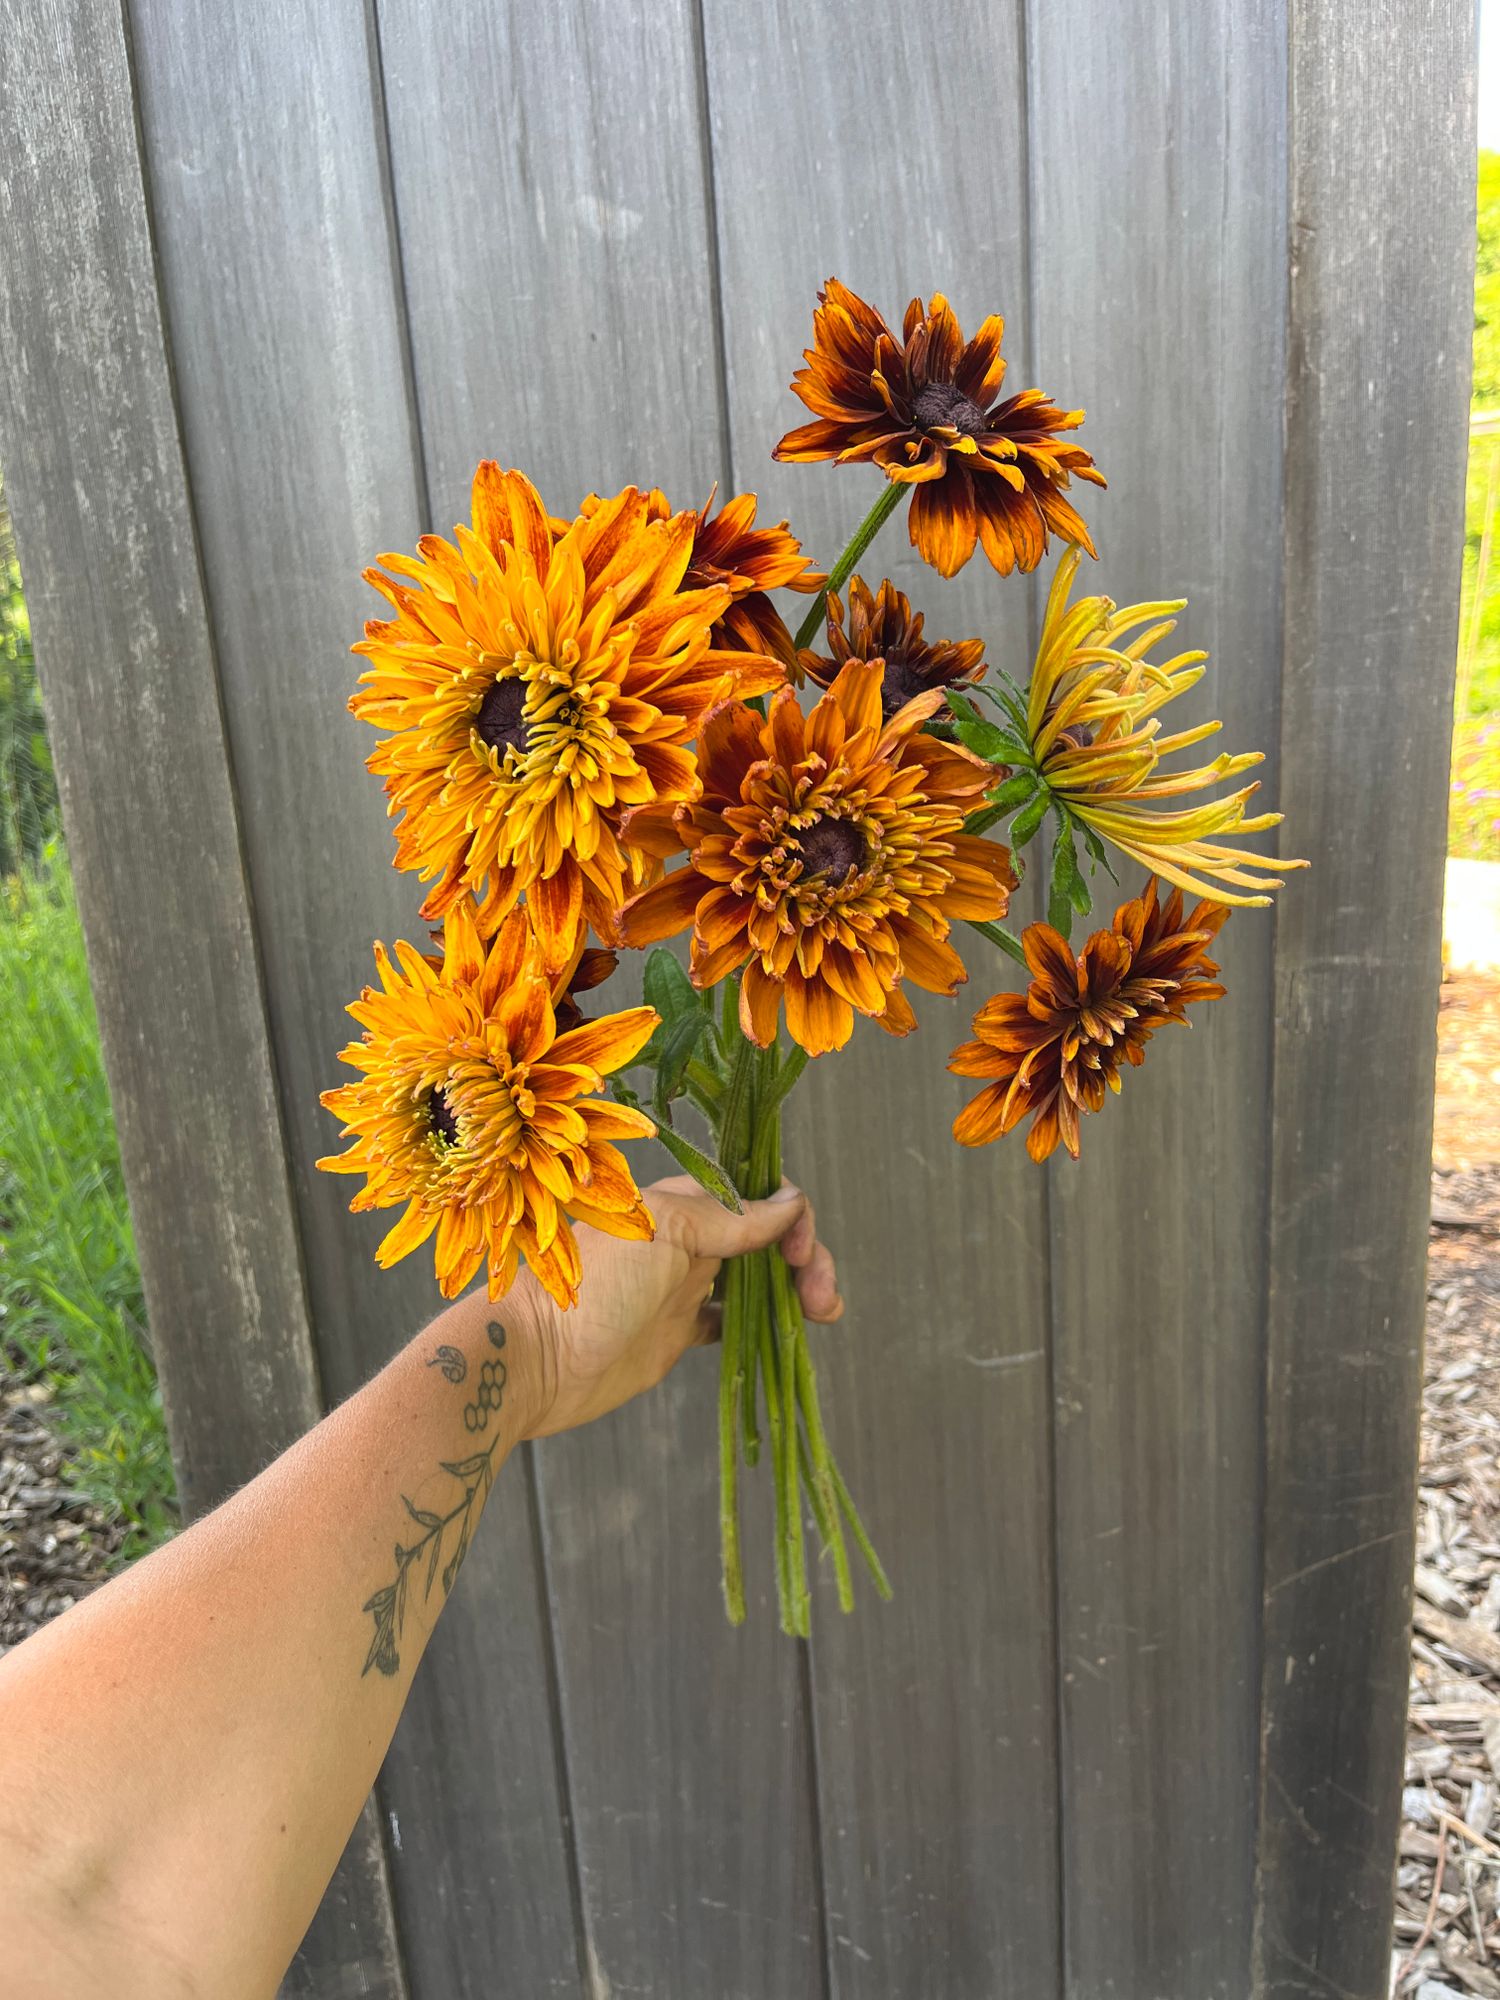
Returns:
<point x="1095" y="734"/>
<point x="476" y="1113"/>
<point x="539" y="679"/>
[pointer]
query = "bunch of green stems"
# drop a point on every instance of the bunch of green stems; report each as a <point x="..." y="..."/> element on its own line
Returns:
<point x="765" y="1364"/>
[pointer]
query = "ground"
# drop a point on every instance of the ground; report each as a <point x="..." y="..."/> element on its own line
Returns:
<point x="54" y="1547"/>
<point x="1448" y="1884"/>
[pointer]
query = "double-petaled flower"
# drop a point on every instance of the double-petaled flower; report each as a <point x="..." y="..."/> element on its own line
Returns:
<point x="926" y="410"/>
<point x="538" y="680"/>
<point x="1095" y="734"/>
<point x="473" y="1110"/>
<point x="884" y="627"/>
<point x="826" y="858"/>
<point x="1051" y="1053"/>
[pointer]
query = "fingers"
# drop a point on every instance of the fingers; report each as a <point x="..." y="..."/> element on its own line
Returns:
<point x="818" y="1287"/>
<point x="787" y="1217"/>
<point x="717" y="1232"/>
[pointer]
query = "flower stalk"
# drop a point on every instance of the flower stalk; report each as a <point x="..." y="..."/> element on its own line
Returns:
<point x="765" y="1352"/>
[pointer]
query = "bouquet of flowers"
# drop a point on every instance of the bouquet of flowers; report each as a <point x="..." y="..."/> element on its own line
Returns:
<point x="593" y="729"/>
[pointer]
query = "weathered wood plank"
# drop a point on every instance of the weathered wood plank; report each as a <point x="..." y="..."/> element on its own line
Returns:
<point x="1382" y="235"/>
<point x="850" y="153"/>
<point x="1158" y="281"/>
<point x="283" y="296"/>
<point x="104" y="521"/>
<point x="556" y="248"/>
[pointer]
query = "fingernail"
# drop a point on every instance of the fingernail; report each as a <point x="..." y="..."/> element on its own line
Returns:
<point x="785" y="1194"/>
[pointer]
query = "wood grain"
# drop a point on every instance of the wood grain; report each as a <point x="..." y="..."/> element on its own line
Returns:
<point x="283" y="297"/>
<point x="1158" y="281"/>
<point x="562" y="317"/>
<point x="89" y="437"/>
<point x="1382" y="242"/>
<point x="935" y="1714"/>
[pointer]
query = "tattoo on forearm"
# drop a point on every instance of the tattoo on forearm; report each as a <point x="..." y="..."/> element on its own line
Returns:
<point x="487" y="1397"/>
<point x="476" y="1475"/>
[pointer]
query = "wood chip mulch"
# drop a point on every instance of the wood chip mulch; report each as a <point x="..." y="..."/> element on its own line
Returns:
<point x="1448" y="1875"/>
<point x="54" y="1548"/>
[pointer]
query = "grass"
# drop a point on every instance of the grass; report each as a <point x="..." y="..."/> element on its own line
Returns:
<point x="71" y="1311"/>
<point x="1474" y="806"/>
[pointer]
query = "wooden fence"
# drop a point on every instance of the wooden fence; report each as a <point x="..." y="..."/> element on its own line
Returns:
<point x="1136" y="1437"/>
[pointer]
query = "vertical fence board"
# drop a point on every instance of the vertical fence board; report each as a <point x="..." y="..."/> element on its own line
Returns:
<point x="278" y="272"/>
<point x="94" y="463"/>
<point x="1158" y="280"/>
<point x="894" y="158"/>
<point x="563" y="319"/>
<point x="1381" y="302"/>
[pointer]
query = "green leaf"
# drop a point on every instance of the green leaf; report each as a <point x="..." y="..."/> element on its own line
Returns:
<point x="679" y="1039"/>
<point x="668" y="988"/>
<point x="705" y="1170"/>
<point x="1014" y="792"/>
<point x="1023" y="827"/>
<point x="1068" y="891"/>
<point x="1000" y="746"/>
<point x="1098" y="851"/>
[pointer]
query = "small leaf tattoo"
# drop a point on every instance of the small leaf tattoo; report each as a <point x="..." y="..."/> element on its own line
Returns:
<point x="476" y="1475"/>
<point x="452" y="1363"/>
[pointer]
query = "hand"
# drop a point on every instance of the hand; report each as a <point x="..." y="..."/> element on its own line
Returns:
<point x="642" y="1305"/>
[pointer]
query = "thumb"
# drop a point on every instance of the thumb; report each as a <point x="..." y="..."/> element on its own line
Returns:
<point x="718" y="1233"/>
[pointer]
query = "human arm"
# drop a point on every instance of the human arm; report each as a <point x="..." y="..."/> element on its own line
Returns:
<point x="184" y="1754"/>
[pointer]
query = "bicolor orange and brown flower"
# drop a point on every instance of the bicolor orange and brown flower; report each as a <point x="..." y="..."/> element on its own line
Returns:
<point x="473" y="1110"/>
<point x="1051" y="1053"/>
<point x="926" y="410"/>
<point x="1096" y="736"/>
<point x="749" y="562"/>
<point x="826" y="856"/>
<point x="538" y="679"/>
<point x="882" y="626"/>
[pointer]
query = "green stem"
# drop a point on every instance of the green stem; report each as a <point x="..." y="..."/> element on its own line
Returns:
<point x="892" y="494"/>
<point x="996" y="935"/>
<point x="730" y="1383"/>
<point x="789" y="1312"/>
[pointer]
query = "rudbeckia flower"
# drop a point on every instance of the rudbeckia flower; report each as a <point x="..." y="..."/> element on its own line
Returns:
<point x="1051" y="1052"/>
<point x="1095" y="734"/>
<point x="473" y="1110"/>
<point x="538" y="680"/>
<point x="884" y="627"/>
<point x="826" y="857"/>
<point x="925" y="409"/>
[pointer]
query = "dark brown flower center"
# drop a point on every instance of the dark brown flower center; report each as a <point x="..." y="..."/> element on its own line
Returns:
<point x="832" y="847"/>
<point x="943" y="404"/>
<point x="1079" y="734"/>
<point x="900" y="684"/>
<point x="500" y="721"/>
<point x="440" y="1119"/>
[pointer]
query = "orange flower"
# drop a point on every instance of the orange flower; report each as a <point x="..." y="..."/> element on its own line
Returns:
<point x="749" y="561"/>
<point x="729" y="550"/>
<point x="885" y="628"/>
<point x="924" y="410"/>
<point x="540" y="679"/>
<point x="1051" y="1051"/>
<point x="473" y="1110"/>
<point x="826" y="857"/>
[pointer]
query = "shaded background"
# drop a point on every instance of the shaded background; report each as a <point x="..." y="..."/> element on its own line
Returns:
<point x="1137" y="1437"/>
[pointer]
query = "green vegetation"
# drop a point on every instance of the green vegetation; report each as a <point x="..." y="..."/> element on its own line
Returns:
<point x="1474" y="819"/>
<point x="70" y="1293"/>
